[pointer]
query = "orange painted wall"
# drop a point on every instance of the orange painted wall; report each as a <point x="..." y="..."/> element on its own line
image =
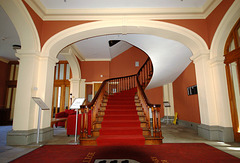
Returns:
<point x="214" y="19"/>
<point x="124" y="64"/>
<point x="4" y="71"/>
<point x="47" y="29"/>
<point x="198" y="26"/>
<point x="91" y="70"/>
<point x="155" y="96"/>
<point x="50" y="28"/>
<point x="186" y="106"/>
<point x="206" y="28"/>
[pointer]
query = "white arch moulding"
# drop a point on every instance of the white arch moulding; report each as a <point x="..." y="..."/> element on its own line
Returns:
<point x="162" y="29"/>
<point x="69" y="55"/>
<point x="218" y="66"/>
<point x="223" y="30"/>
<point x="17" y="12"/>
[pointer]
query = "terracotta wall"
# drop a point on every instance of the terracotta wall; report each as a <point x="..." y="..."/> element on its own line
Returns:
<point x="155" y="96"/>
<point x="214" y="19"/>
<point x="204" y="27"/>
<point x="47" y="29"/>
<point x="124" y="64"/>
<point x="92" y="70"/>
<point x="3" y="79"/>
<point x="186" y="106"/>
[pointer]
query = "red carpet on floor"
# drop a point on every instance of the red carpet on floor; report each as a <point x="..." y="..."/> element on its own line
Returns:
<point x="121" y="125"/>
<point x="168" y="153"/>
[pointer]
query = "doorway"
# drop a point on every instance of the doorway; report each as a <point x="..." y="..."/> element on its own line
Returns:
<point x="232" y="61"/>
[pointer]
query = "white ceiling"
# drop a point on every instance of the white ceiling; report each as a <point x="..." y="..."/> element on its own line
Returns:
<point x="97" y="48"/>
<point x="169" y="57"/>
<point x="8" y="37"/>
<point x="81" y="4"/>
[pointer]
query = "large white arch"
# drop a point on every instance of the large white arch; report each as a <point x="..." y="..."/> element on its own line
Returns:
<point x="69" y="54"/>
<point x="223" y="30"/>
<point x="162" y="29"/>
<point x="21" y="19"/>
<point x="218" y="68"/>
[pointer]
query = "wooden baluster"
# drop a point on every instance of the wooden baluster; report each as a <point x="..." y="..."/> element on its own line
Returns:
<point x="82" y="125"/>
<point x="159" y="123"/>
<point x="122" y="84"/>
<point x="143" y="77"/>
<point x="129" y="81"/>
<point x="130" y="85"/>
<point x="118" y="85"/>
<point x="89" y="123"/>
<point x="86" y="122"/>
<point x="95" y="112"/>
<point x="154" y="122"/>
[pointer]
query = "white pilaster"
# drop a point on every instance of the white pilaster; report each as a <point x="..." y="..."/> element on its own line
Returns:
<point x="75" y="88"/>
<point x="45" y="86"/>
<point x="206" y="97"/>
<point x="221" y="91"/>
<point x="25" y="111"/>
<point x="82" y="88"/>
<point x="168" y="96"/>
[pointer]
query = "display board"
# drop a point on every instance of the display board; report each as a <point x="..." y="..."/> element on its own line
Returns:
<point x="77" y="103"/>
<point x="40" y="103"/>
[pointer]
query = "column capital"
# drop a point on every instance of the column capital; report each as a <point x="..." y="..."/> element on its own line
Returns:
<point x="74" y="79"/>
<point x="33" y="54"/>
<point x="82" y="80"/>
<point x="26" y="54"/>
<point x="217" y="60"/>
<point x="197" y="57"/>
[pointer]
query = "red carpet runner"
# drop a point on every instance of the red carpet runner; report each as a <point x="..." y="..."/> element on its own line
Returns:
<point x="167" y="153"/>
<point x="121" y="125"/>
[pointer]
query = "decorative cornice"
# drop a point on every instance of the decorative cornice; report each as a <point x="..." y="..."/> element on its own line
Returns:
<point x="113" y="13"/>
<point x="97" y="59"/>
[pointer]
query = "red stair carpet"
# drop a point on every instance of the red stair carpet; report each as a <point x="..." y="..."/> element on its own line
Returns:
<point x="121" y="125"/>
<point x="167" y="153"/>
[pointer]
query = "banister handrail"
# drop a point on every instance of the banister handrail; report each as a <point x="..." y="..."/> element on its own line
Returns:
<point x="141" y="89"/>
<point x="118" y="84"/>
<point x="102" y="85"/>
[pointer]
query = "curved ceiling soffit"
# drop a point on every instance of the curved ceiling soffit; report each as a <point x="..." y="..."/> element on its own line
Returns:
<point x="173" y="60"/>
<point x="73" y="62"/>
<point x="28" y="35"/>
<point x="223" y="30"/>
<point x="162" y="29"/>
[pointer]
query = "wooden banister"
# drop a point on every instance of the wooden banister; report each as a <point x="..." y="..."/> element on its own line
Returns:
<point x="114" y="85"/>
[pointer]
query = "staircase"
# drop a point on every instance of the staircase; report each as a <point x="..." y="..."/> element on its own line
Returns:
<point x="121" y="124"/>
<point x="119" y="113"/>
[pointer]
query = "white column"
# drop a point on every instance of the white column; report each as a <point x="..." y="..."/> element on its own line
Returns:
<point x="45" y="86"/>
<point x="25" y="112"/>
<point x="206" y="97"/>
<point x="213" y="99"/>
<point x="82" y="88"/>
<point x="221" y="91"/>
<point x="75" y="88"/>
<point x="168" y="96"/>
<point x="35" y="79"/>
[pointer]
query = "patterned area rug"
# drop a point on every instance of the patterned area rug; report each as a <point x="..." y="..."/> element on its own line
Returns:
<point x="167" y="153"/>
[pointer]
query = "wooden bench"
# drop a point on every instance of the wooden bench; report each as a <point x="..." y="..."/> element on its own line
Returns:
<point x="55" y="120"/>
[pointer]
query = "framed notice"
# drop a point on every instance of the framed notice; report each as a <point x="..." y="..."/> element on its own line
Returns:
<point x="77" y="103"/>
<point x="166" y="103"/>
<point x="40" y="103"/>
